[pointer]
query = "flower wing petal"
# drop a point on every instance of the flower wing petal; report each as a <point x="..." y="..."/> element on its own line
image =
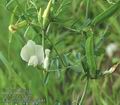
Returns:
<point x="39" y="53"/>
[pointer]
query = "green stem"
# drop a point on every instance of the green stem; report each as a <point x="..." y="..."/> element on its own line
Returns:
<point x="87" y="8"/>
<point x="84" y="92"/>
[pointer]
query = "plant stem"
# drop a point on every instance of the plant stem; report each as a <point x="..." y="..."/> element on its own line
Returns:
<point x="84" y="92"/>
<point x="87" y="8"/>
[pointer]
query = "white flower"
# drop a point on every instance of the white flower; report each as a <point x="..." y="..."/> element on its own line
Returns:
<point x="111" y="49"/>
<point x="34" y="54"/>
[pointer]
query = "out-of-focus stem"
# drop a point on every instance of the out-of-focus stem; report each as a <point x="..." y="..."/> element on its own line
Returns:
<point x="84" y="92"/>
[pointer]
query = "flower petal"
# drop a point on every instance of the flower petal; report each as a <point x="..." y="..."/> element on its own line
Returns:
<point x="47" y="52"/>
<point x="39" y="53"/>
<point x="33" y="61"/>
<point x="28" y="50"/>
<point x="46" y="60"/>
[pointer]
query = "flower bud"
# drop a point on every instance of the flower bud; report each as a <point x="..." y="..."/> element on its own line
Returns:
<point x="12" y="28"/>
<point x="46" y="13"/>
<point x="46" y="60"/>
<point x="47" y="52"/>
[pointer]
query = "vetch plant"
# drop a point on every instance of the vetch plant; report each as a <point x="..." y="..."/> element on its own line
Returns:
<point x="76" y="37"/>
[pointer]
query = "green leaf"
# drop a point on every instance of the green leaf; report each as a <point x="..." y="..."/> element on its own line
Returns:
<point x="89" y="47"/>
<point x="107" y="13"/>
